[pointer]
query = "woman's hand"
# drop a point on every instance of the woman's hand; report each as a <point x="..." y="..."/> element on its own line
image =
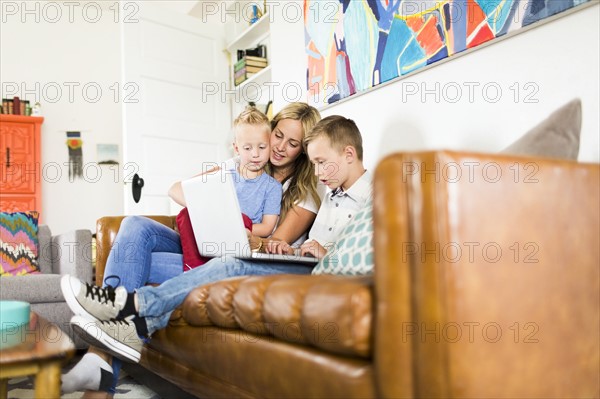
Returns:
<point x="279" y="247"/>
<point x="256" y="243"/>
<point x="312" y="248"/>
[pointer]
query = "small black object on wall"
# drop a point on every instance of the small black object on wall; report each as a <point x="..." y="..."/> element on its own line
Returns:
<point x="136" y="187"/>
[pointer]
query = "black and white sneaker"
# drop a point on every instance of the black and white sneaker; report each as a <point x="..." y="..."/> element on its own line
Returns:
<point x="118" y="337"/>
<point x="92" y="301"/>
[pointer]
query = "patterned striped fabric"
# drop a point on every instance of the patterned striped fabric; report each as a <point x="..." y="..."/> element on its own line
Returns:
<point x="352" y="254"/>
<point x="18" y="243"/>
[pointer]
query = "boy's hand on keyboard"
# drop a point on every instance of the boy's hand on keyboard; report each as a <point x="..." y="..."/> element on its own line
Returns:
<point x="278" y="247"/>
<point x="312" y="248"/>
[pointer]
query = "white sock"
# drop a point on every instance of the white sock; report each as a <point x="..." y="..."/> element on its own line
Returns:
<point x="92" y="372"/>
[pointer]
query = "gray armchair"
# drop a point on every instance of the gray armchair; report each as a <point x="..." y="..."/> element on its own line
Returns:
<point x="69" y="253"/>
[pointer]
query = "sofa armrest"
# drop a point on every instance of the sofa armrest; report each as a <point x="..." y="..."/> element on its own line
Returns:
<point x="106" y="231"/>
<point x="486" y="270"/>
<point x="71" y="253"/>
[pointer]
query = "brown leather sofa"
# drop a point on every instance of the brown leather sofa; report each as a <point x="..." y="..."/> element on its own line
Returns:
<point x="486" y="284"/>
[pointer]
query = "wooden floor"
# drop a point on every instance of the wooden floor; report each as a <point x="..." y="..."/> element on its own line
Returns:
<point x="134" y="383"/>
<point x="162" y="387"/>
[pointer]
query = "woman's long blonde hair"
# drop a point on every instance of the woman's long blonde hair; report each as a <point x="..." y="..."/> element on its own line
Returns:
<point x="303" y="182"/>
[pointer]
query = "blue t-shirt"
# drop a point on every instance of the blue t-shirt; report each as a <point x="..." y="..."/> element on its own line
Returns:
<point x="259" y="196"/>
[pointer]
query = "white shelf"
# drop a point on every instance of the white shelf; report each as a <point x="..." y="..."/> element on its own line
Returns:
<point x="254" y="88"/>
<point x="250" y="36"/>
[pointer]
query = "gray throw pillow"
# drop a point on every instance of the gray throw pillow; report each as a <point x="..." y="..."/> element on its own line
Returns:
<point x="556" y="137"/>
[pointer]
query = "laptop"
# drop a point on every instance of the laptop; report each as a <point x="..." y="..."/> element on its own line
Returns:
<point x="217" y="222"/>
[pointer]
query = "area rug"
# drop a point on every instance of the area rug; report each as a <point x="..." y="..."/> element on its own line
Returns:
<point x="127" y="388"/>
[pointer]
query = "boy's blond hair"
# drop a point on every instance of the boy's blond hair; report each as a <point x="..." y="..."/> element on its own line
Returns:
<point x="340" y="131"/>
<point x="252" y="116"/>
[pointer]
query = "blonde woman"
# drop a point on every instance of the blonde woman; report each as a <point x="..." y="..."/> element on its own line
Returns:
<point x="158" y="251"/>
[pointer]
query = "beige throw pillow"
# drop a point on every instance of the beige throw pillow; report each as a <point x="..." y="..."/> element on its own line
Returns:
<point x="556" y="137"/>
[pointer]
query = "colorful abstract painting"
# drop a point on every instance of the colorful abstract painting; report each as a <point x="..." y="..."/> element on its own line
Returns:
<point x="353" y="45"/>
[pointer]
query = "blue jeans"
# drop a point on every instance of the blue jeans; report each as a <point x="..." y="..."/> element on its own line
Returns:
<point x="157" y="303"/>
<point x="143" y="252"/>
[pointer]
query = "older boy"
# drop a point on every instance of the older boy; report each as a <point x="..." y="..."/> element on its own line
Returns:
<point x="335" y="148"/>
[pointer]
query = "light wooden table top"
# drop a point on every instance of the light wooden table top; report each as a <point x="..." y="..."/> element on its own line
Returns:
<point x="44" y="348"/>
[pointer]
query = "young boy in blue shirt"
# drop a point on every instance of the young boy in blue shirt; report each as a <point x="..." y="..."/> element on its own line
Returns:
<point x="259" y="194"/>
<point x="334" y="146"/>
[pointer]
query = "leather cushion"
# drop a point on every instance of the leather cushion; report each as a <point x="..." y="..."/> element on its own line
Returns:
<point x="333" y="313"/>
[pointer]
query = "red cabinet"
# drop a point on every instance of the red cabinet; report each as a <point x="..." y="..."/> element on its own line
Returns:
<point x="20" y="171"/>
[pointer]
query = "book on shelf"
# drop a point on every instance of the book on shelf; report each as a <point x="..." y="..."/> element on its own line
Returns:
<point x="252" y="61"/>
<point x="240" y="80"/>
<point x="256" y="64"/>
<point x="247" y="66"/>
<point x="245" y="73"/>
<point x="254" y="69"/>
<point x="15" y="106"/>
<point x="239" y="65"/>
<point x="241" y="72"/>
<point x="255" y="58"/>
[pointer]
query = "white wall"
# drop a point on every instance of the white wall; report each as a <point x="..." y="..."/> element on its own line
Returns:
<point x="288" y="55"/>
<point x="73" y="49"/>
<point x="559" y="59"/>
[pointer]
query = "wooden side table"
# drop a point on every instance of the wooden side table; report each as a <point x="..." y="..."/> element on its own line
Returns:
<point x="44" y="350"/>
